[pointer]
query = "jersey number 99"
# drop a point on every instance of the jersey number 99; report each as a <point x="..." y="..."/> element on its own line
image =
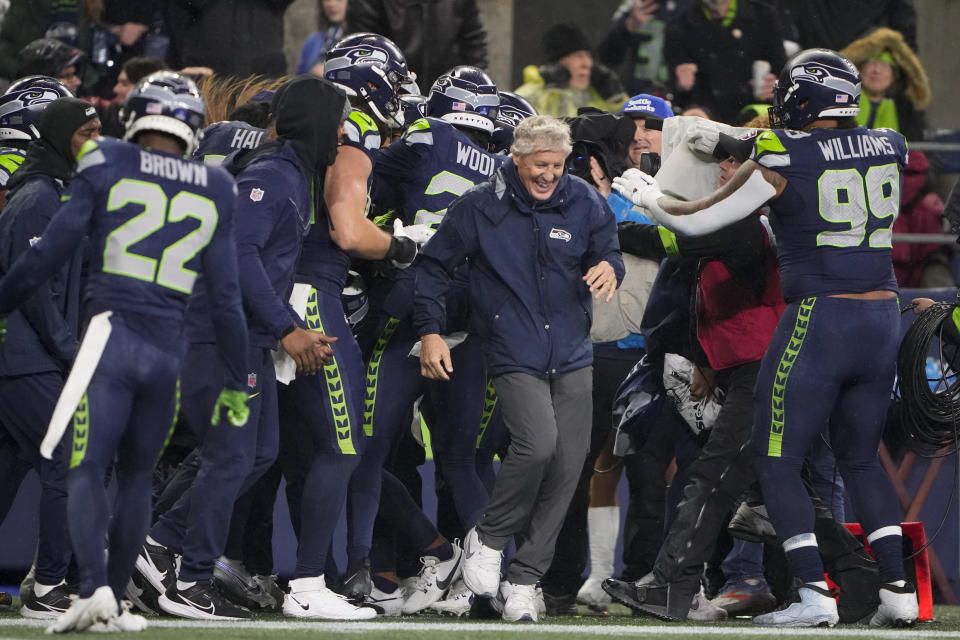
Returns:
<point x="169" y="271"/>
<point x="849" y="197"/>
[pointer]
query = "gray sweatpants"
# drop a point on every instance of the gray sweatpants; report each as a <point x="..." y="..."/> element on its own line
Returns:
<point x="549" y="424"/>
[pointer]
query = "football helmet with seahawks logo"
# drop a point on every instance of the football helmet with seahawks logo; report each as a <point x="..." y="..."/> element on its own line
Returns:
<point x="23" y="103"/>
<point x="814" y="84"/>
<point x="372" y="68"/>
<point x="513" y="109"/>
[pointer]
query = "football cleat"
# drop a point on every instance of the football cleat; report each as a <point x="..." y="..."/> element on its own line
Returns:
<point x="481" y="566"/>
<point x="745" y="597"/>
<point x="357" y="582"/>
<point x="201" y="601"/>
<point x="46" y="607"/>
<point x="816" y="608"/>
<point x="85" y="612"/>
<point x="434" y="580"/>
<point x="458" y="601"/>
<point x="310" y="598"/>
<point x="242" y="588"/>
<point x="898" y="607"/>
<point x="389" y="604"/>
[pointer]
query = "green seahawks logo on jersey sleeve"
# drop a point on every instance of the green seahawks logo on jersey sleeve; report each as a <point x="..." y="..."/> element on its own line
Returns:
<point x="362" y="131"/>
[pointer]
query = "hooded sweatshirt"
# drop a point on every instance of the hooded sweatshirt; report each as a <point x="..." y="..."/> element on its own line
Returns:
<point x="278" y="187"/>
<point x="43" y="332"/>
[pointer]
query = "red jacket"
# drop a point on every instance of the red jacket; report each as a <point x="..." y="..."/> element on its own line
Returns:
<point x="921" y="212"/>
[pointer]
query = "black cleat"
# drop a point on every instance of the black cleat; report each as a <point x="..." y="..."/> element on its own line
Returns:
<point x="357" y="581"/>
<point x="47" y="607"/>
<point x="202" y="601"/>
<point x="243" y="589"/>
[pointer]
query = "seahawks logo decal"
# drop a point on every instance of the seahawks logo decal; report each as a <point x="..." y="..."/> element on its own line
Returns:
<point x="28" y="98"/>
<point x="367" y="54"/>
<point x="824" y="74"/>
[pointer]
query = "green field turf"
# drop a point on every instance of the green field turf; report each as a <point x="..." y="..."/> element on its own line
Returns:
<point x="946" y="625"/>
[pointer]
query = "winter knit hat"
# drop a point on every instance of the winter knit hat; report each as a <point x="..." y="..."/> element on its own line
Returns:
<point x="561" y="40"/>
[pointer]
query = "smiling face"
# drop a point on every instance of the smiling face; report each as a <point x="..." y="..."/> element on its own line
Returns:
<point x="540" y="172"/>
<point x="876" y="76"/>
<point x="644" y="140"/>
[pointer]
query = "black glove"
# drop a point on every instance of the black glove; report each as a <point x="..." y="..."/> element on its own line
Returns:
<point x="605" y="81"/>
<point x="402" y="251"/>
<point x="554" y="76"/>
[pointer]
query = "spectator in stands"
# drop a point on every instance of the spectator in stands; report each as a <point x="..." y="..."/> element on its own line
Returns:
<point x="414" y="27"/>
<point x="633" y="44"/>
<point x="895" y="85"/>
<point x="29" y="20"/>
<point x="570" y="80"/>
<point x="130" y="74"/>
<point x="48" y="57"/>
<point x="232" y="38"/>
<point x="710" y="50"/>
<point x="921" y="211"/>
<point x="832" y="24"/>
<point x="331" y="25"/>
<point x="647" y="112"/>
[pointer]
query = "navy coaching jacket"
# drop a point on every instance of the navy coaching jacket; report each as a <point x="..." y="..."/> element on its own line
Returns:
<point x="527" y="258"/>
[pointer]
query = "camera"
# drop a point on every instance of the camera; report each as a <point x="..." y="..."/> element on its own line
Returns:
<point x="650" y="162"/>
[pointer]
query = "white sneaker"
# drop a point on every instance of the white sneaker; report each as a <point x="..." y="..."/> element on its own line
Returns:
<point x="519" y="602"/>
<point x="816" y="608"/>
<point x="126" y="621"/>
<point x="481" y="566"/>
<point x="593" y="595"/>
<point x="385" y="604"/>
<point x="434" y="581"/>
<point x="407" y="585"/>
<point x="702" y="610"/>
<point x="898" y="607"/>
<point x="85" y="612"/>
<point x="458" y="602"/>
<point x="541" y="603"/>
<point x="310" y="598"/>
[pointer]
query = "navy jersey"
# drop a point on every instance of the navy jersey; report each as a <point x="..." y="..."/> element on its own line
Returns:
<point x="10" y="161"/>
<point x="153" y="220"/>
<point x="323" y="264"/>
<point x="833" y="222"/>
<point x="427" y="169"/>
<point x="223" y="138"/>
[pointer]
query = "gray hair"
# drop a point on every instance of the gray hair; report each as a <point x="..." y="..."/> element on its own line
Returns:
<point x="541" y="133"/>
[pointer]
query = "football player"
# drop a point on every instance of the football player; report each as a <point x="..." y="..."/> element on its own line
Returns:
<point x="834" y="192"/>
<point x="154" y="220"/>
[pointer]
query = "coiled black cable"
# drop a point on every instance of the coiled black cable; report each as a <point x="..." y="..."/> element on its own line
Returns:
<point x="928" y="417"/>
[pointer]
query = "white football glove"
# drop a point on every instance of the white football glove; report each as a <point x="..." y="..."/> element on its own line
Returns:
<point x="638" y="187"/>
<point x="419" y="233"/>
<point x="703" y="136"/>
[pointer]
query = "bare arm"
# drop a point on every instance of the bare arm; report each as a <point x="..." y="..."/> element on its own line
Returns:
<point x="345" y="192"/>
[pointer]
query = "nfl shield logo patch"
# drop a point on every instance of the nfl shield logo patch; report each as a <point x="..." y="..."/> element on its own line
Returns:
<point x="256" y="194"/>
<point x="252" y="380"/>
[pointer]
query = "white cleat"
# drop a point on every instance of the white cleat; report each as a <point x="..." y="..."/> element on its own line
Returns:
<point x="519" y="602"/>
<point x="309" y="598"/>
<point x="458" y="602"/>
<point x="593" y="595"/>
<point x="435" y="579"/>
<point x="898" y="607"/>
<point x="817" y="608"/>
<point x="126" y="621"/>
<point x="386" y="604"/>
<point x="481" y="566"/>
<point x="85" y="612"/>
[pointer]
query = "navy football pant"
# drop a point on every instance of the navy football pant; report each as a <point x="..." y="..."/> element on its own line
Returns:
<point x="231" y="458"/>
<point x="455" y="408"/>
<point x="831" y="361"/>
<point x="127" y="412"/>
<point x="329" y="406"/>
<point x="26" y="423"/>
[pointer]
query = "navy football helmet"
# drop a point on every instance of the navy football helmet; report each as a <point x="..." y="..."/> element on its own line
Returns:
<point x="815" y="83"/>
<point x="372" y="68"/>
<point x="513" y="109"/>
<point x="24" y="102"/>
<point x="465" y="96"/>
<point x="167" y="102"/>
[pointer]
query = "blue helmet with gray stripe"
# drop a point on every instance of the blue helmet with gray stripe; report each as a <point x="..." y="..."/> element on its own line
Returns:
<point x="22" y="105"/>
<point x="372" y="68"/>
<point x="167" y="102"/>
<point x="465" y="96"/>
<point x="814" y="84"/>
